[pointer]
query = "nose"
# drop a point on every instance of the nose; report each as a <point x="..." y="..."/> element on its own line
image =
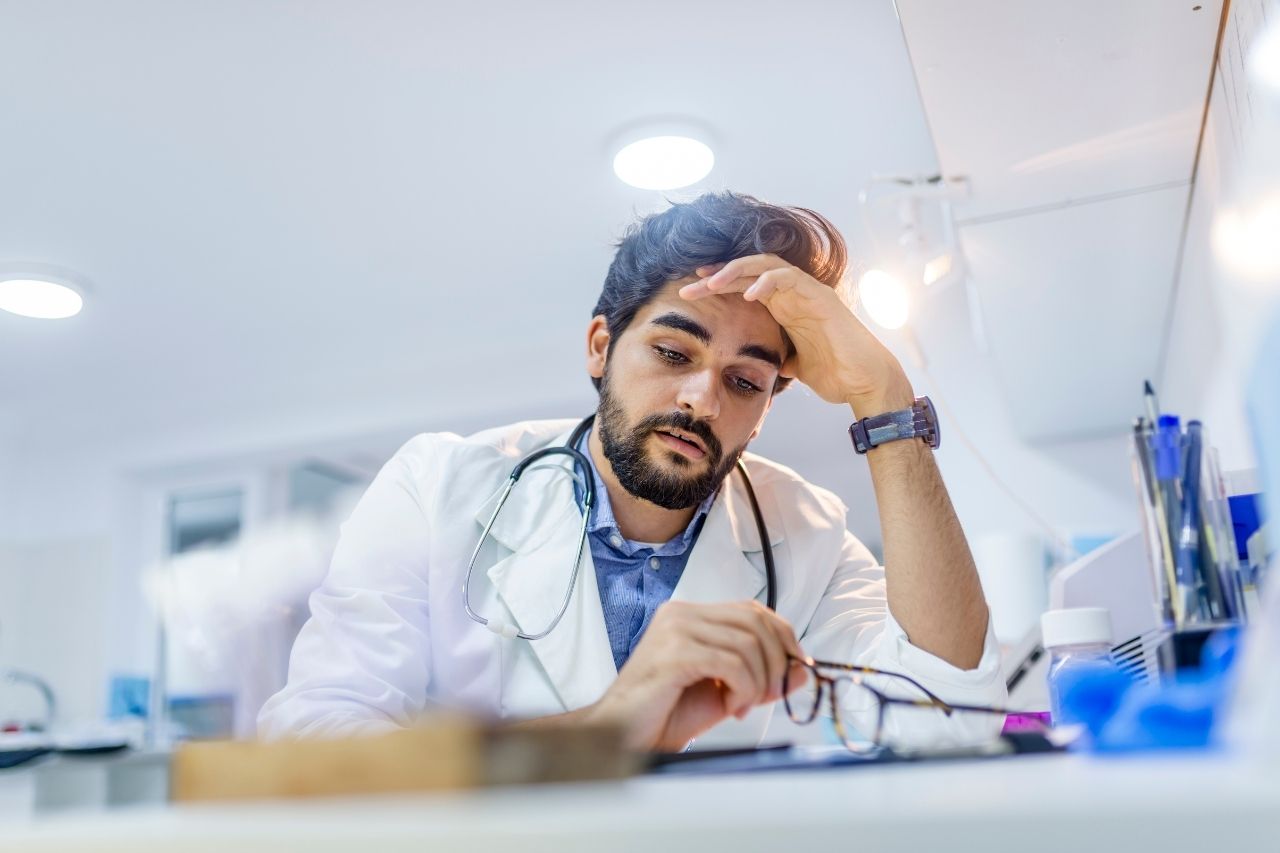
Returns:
<point x="699" y="395"/>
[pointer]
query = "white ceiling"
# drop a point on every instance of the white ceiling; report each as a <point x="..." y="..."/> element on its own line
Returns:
<point x="320" y="207"/>
<point x="305" y="221"/>
<point x="1077" y="126"/>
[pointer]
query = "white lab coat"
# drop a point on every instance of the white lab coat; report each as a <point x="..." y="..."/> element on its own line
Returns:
<point x="388" y="638"/>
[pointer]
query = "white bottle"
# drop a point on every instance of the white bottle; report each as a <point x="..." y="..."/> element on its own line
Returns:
<point x="1078" y="641"/>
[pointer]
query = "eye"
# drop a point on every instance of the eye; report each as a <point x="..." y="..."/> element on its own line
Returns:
<point x="743" y="387"/>
<point x="671" y="355"/>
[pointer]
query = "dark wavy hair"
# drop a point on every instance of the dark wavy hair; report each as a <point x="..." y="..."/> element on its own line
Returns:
<point x="713" y="228"/>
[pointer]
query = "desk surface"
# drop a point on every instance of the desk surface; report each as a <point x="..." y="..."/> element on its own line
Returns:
<point x="1041" y="803"/>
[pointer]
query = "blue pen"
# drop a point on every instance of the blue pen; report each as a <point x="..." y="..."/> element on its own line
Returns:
<point x="1168" y="463"/>
<point x="1189" y="573"/>
<point x="1215" y="602"/>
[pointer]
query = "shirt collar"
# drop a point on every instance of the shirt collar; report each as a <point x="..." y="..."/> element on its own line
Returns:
<point x="603" y="523"/>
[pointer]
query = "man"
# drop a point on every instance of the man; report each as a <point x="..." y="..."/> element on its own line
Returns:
<point x="708" y="310"/>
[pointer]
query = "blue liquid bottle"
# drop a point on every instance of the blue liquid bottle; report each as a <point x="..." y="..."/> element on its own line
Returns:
<point x="1078" y="641"/>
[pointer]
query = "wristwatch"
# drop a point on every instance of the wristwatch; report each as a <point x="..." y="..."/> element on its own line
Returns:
<point x="919" y="421"/>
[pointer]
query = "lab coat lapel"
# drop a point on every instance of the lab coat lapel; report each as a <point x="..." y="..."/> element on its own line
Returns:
<point x="540" y="526"/>
<point x="718" y="568"/>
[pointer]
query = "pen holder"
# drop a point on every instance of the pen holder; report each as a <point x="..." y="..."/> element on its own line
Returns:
<point x="1186" y="526"/>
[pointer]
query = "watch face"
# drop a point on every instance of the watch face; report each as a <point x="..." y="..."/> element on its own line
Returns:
<point x="926" y="422"/>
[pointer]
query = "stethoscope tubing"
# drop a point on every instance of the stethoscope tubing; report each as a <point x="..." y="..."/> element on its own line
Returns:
<point x="582" y="467"/>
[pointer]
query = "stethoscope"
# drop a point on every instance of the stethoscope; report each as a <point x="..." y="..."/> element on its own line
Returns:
<point x="582" y="474"/>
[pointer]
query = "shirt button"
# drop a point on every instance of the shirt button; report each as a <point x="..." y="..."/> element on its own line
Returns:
<point x="615" y="540"/>
<point x="654" y="563"/>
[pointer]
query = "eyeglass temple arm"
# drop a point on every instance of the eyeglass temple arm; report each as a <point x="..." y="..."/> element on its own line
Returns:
<point x="991" y="709"/>
<point x="870" y="670"/>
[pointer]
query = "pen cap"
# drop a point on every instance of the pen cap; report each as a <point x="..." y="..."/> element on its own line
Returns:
<point x="1168" y="447"/>
<point x="1075" y="627"/>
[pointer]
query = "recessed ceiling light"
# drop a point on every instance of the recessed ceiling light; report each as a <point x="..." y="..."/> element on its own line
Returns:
<point x="664" y="162"/>
<point x="31" y="290"/>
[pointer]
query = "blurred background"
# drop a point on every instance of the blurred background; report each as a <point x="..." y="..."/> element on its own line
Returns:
<point x="304" y="232"/>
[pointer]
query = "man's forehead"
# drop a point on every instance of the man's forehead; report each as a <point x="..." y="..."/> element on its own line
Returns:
<point x="728" y="314"/>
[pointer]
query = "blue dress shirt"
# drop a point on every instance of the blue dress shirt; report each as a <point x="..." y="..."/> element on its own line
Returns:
<point x="634" y="578"/>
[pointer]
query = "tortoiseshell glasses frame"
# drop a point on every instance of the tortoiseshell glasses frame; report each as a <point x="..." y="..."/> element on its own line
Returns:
<point x="823" y="683"/>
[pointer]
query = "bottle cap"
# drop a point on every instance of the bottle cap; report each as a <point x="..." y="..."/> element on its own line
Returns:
<point x="1076" y="626"/>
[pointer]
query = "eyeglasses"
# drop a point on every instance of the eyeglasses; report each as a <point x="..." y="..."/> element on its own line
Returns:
<point x="878" y="710"/>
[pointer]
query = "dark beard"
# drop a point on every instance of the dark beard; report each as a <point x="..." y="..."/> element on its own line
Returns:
<point x="624" y="448"/>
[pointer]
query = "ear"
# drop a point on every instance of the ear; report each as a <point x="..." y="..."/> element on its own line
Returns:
<point x="597" y="346"/>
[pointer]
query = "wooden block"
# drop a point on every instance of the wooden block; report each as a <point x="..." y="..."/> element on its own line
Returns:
<point x="446" y="754"/>
<point x="515" y="755"/>
<point x="441" y="754"/>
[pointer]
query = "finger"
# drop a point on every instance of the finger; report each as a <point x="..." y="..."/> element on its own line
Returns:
<point x="789" y="368"/>
<point x="792" y="669"/>
<point x="696" y="290"/>
<point x="772" y="646"/>
<point x="709" y="269"/>
<point x="786" y="635"/>
<point x="756" y="620"/>
<point x="728" y="667"/>
<point x="781" y="640"/>
<point x="798" y="677"/>
<point x="700" y="288"/>
<point x="752" y="648"/>
<point x="774" y="658"/>
<point x="751" y="265"/>
<point x="746" y="646"/>
<point x="765" y="285"/>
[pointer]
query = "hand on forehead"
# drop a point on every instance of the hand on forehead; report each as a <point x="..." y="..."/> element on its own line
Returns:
<point x="731" y="320"/>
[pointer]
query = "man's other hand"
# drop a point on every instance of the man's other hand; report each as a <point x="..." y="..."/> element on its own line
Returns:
<point x="698" y="664"/>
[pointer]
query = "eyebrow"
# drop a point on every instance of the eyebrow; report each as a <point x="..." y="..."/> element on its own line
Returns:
<point x="682" y="323"/>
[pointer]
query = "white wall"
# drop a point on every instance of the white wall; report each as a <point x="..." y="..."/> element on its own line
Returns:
<point x="52" y="616"/>
<point x="53" y="594"/>
<point x="1217" y="321"/>
<point x="1079" y="486"/>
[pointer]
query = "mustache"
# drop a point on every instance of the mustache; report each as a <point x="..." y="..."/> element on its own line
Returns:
<point x="685" y="423"/>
